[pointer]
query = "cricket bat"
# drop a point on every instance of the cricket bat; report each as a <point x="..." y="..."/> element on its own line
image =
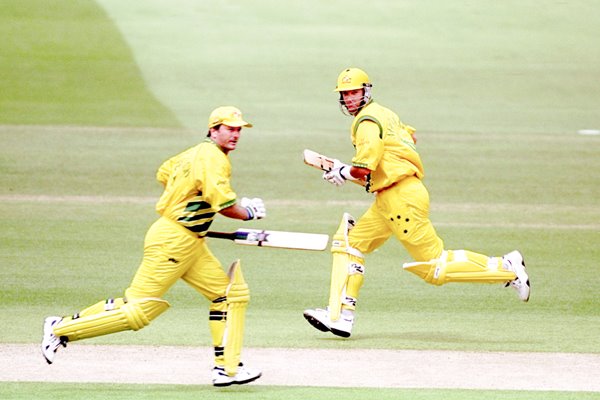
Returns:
<point x="280" y="239"/>
<point x="322" y="162"/>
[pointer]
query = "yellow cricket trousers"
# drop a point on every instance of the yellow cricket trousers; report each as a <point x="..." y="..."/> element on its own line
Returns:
<point x="172" y="252"/>
<point x="401" y="210"/>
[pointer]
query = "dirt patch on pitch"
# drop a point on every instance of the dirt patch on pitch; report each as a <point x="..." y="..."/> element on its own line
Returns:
<point x="309" y="367"/>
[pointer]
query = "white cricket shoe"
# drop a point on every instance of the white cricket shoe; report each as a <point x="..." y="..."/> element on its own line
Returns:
<point x="50" y="342"/>
<point x="514" y="262"/>
<point x="320" y="319"/>
<point x="243" y="375"/>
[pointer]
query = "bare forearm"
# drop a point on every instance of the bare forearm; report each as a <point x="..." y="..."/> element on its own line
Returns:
<point x="359" y="173"/>
<point x="235" y="211"/>
<point x="246" y="210"/>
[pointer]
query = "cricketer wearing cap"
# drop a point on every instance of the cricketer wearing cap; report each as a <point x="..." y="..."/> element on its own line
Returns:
<point x="387" y="160"/>
<point x="196" y="187"/>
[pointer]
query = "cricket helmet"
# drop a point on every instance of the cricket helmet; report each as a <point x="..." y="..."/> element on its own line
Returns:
<point x="227" y="115"/>
<point x="352" y="79"/>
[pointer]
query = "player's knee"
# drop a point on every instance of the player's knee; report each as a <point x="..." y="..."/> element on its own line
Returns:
<point x="139" y="312"/>
<point x="238" y="293"/>
<point x="340" y="237"/>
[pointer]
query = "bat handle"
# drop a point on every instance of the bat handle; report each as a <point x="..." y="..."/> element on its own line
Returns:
<point x="222" y="235"/>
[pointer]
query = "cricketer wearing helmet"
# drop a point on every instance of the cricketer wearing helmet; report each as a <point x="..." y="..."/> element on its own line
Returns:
<point x="196" y="188"/>
<point x="386" y="159"/>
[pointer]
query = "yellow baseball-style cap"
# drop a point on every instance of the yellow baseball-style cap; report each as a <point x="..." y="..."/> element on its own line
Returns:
<point x="227" y="115"/>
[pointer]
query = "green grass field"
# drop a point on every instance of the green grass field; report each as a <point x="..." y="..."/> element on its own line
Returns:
<point x="94" y="96"/>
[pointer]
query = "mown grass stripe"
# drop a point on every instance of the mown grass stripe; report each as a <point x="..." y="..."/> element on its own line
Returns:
<point x="446" y="207"/>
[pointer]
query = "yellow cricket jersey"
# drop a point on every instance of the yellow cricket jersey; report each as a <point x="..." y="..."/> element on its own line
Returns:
<point x="385" y="146"/>
<point x="197" y="186"/>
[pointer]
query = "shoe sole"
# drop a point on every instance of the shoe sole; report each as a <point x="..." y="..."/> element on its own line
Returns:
<point x="44" y="350"/>
<point x="316" y="323"/>
<point x="324" y="328"/>
<point x="225" y="384"/>
<point x="247" y="380"/>
<point x="337" y="332"/>
<point x="46" y="358"/>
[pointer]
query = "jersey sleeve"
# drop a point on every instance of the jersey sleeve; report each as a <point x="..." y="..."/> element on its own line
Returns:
<point x="368" y="144"/>
<point x="165" y="170"/>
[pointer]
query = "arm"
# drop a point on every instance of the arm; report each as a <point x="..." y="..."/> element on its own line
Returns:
<point x="324" y="163"/>
<point x="358" y="173"/>
<point x="163" y="173"/>
<point x="341" y="172"/>
<point x="247" y="209"/>
<point x="217" y="189"/>
<point x="235" y="212"/>
<point x="411" y="131"/>
<point x="369" y="148"/>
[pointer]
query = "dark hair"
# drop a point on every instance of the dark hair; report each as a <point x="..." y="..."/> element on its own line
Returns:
<point x="216" y="127"/>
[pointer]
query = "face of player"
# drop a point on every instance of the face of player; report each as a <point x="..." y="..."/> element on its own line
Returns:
<point x="226" y="137"/>
<point x="352" y="100"/>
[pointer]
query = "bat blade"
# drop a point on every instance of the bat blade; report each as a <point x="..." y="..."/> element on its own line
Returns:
<point x="278" y="239"/>
<point x="322" y="162"/>
<point x="317" y="160"/>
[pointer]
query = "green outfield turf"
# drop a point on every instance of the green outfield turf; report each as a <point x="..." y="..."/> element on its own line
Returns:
<point x="64" y="62"/>
<point x="25" y="391"/>
<point x="94" y="96"/>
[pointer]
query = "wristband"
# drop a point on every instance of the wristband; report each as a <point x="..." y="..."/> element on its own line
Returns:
<point x="348" y="176"/>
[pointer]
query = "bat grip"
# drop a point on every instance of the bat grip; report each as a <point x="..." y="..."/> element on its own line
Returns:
<point x="221" y="235"/>
<point x="228" y="235"/>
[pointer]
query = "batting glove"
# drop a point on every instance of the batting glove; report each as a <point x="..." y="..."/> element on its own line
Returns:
<point x="255" y="208"/>
<point x="338" y="174"/>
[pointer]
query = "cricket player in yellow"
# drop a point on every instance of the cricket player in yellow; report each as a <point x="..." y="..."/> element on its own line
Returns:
<point x="387" y="161"/>
<point x="196" y="187"/>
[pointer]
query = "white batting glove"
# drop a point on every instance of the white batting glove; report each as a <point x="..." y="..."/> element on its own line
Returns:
<point x="338" y="174"/>
<point x="255" y="208"/>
